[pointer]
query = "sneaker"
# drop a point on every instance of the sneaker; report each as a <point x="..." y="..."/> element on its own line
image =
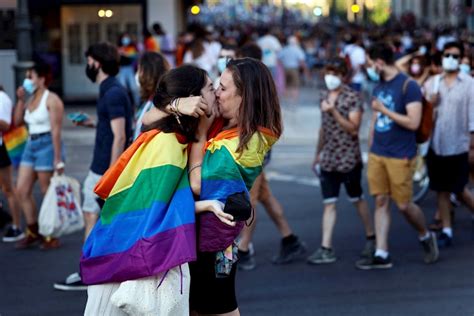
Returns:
<point x="13" y="234"/>
<point x="246" y="261"/>
<point x="322" y="256"/>
<point x="375" y="262"/>
<point x="30" y="240"/>
<point x="444" y="240"/>
<point x="290" y="252"/>
<point x="50" y="243"/>
<point x="369" y="249"/>
<point x="72" y="283"/>
<point x="430" y="247"/>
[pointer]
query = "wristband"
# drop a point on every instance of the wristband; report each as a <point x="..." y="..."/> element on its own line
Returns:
<point x="60" y="165"/>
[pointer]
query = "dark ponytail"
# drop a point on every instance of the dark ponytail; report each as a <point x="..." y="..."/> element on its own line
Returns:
<point x="181" y="82"/>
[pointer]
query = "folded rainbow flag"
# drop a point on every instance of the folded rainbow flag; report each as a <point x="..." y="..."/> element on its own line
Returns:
<point x="147" y="223"/>
<point x="224" y="172"/>
<point x="15" y="142"/>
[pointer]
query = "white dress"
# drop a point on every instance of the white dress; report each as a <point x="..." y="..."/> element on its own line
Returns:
<point x="164" y="294"/>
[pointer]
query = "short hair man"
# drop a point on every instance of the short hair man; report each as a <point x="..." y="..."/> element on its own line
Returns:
<point x="396" y="116"/>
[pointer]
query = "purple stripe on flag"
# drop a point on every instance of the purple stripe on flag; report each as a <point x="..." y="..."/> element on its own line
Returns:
<point x="148" y="257"/>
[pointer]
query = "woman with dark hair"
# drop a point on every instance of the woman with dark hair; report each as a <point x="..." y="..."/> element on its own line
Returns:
<point x="136" y="257"/>
<point x="250" y="123"/>
<point x="42" y="111"/>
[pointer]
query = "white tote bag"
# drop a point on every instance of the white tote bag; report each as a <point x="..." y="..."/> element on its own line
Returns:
<point x="61" y="212"/>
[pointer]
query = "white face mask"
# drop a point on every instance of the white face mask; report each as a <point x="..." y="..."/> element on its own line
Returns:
<point x="137" y="80"/>
<point x="332" y="82"/>
<point x="450" y="64"/>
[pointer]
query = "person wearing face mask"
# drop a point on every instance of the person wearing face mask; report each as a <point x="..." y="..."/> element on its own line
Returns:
<point x="452" y="94"/>
<point x="414" y="65"/>
<point x="396" y="116"/>
<point x="42" y="111"/>
<point x="113" y="134"/>
<point x="128" y="57"/>
<point x="339" y="137"/>
<point x="465" y="66"/>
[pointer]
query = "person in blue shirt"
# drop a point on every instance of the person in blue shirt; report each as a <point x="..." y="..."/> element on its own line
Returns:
<point x="397" y="111"/>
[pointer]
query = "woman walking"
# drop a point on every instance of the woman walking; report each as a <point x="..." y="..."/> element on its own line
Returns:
<point x="42" y="112"/>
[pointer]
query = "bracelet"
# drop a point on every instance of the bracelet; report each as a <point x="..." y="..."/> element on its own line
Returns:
<point x="177" y="106"/>
<point x="199" y="165"/>
<point x="60" y="165"/>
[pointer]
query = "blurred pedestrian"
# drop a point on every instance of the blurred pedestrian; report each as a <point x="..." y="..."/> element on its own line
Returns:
<point x="270" y="46"/>
<point x="166" y="44"/>
<point x="291" y="247"/>
<point x="14" y="232"/>
<point x="150" y="44"/>
<point x="355" y="55"/>
<point x="42" y="111"/>
<point x="128" y="57"/>
<point x="293" y="59"/>
<point x="396" y="116"/>
<point x="452" y="93"/>
<point x="338" y="159"/>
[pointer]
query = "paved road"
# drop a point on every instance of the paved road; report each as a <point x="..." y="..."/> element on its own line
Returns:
<point x="410" y="288"/>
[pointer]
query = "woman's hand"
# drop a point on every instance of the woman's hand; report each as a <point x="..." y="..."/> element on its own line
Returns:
<point x="217" y="207"/>
<point x="193" y="106"/>
<point x="59" y="166"/>
<point x="205" y="123"/>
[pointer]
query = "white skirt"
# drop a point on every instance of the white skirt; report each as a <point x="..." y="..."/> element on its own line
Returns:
<point x="163" y="294"/>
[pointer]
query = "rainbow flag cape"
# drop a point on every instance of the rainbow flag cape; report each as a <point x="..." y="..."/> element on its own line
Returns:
<point x="15" y="142"/>
<point x="224" y="172"/>
<point x="147" y="224"/>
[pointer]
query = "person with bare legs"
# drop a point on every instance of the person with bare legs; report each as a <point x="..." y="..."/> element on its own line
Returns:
<point x="342" y="111"/>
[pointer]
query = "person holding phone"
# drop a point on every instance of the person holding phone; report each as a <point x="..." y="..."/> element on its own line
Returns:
<point x="338" y="159"/>
<point x="42" y="111"/>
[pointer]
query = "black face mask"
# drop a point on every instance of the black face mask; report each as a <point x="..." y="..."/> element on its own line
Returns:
<point x="91" y="72"/>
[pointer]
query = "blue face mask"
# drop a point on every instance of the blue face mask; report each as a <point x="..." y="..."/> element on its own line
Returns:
<point x="126" y="41"/>
<point x="465" y="69"/>
<point x="29" y="86"/>
<point x="222" y="64"/>
<point x="373" y="75"/>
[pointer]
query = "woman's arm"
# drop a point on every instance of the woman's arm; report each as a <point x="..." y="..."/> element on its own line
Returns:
<point x="56" y="111"/>
<point x="217" y="208"/>
<point x="19" y="111"/>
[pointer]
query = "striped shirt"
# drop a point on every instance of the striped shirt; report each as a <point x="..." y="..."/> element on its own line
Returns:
<point x="455" y="115"/>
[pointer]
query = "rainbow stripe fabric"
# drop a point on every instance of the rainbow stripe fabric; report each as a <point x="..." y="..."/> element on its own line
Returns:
<point x="147" y="224"/>
<point x="15" y="142"/>
<point x="224" y="172"/>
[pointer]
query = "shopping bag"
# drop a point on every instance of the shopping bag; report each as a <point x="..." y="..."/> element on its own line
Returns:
<point x="61" y="212"/>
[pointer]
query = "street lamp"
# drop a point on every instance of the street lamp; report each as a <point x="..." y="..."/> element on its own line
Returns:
<point x="23" y="42"/>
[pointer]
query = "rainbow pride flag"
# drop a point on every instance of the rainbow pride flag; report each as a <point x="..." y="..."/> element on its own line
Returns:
<point x="15" y="142"/>
<point x="224" y="172"/>
<point x="147" y="224"/>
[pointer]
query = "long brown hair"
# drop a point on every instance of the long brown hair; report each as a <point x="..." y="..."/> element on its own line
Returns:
<point x="260" y="106"/>
<point x="152" y="67"/>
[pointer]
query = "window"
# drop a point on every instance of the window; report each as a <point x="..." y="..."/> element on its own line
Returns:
<point x="75" y="44"/>
<point x="132" y="29"/>
<point x="93" y="33"/>
<point x="113" y="33"/>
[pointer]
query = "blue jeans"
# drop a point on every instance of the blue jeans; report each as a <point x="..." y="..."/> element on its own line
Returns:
<point x="126" y="77"/>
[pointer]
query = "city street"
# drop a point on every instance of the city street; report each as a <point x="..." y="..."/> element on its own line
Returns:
<point x="410" y="288"/>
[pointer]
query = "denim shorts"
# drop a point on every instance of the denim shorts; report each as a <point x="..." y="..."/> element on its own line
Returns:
<point x="39" y="153"/>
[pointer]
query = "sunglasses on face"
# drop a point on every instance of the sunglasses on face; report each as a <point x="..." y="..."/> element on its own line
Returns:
<point x="455" y="56"/>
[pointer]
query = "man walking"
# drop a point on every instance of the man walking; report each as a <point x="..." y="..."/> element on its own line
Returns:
<point x="396" y="116"/>
<point x="448" y="158"/>
<point x="113" y="131"/>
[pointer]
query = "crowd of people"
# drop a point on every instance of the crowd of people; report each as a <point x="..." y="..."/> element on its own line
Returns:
<point x="183" y="127"/>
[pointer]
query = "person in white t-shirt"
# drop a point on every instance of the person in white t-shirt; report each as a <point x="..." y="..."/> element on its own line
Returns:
<point x="356" y="55"/>
<point x="270" y="46"/>
<point x="13" y="233"/>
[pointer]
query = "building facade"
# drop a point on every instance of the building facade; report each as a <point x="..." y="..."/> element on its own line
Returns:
<point x="63" y="29"/>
